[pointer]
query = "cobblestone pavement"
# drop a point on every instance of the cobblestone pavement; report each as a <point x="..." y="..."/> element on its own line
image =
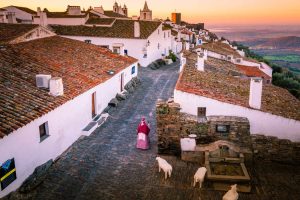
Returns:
<point x="106" y="165"/>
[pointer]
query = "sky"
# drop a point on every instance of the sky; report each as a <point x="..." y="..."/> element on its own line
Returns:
<point x="211" y="12"/>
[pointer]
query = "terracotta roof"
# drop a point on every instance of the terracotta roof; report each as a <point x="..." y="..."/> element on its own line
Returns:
<point x="1" y="9"/>
<point x="120" y="29"/>
<point x="174" y="33"/>
<point x="110" y="13"/>
<point x="21" y="101"/>
<point x="101" y="21"/>
<point x="221" y="48"/>
<point x="253" y="71"/>
<point x="232" y="90"/>
<point x="9" y="32"/>
<point x="167" y="27"/>
<point x="28" y="10"/>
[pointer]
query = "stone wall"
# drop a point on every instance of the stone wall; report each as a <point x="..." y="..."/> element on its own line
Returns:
<point x="173" y="125"/>
<point x="274" y="149"/>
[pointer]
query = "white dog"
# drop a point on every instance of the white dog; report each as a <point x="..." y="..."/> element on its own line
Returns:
<point x="231" y="194"/>
<point x="199" y="176"/>
<point x="165" y="166"/>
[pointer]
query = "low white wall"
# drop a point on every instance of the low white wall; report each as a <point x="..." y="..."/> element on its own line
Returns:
<point x="260" y="122"/>
<point x="65" y="127"/>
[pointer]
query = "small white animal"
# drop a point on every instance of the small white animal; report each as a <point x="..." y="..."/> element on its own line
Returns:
<point x="199" y="176"/>
<point x="231" y="194"/>
<point x="165" y="166"/>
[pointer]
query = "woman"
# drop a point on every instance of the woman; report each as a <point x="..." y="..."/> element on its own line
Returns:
<point x="143" y="135"/>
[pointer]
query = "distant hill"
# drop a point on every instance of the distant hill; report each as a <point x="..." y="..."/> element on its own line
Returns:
<point x="289" y="42"/>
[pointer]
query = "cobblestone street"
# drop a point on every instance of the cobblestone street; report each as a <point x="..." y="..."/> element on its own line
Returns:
<point x="106" y="165"/>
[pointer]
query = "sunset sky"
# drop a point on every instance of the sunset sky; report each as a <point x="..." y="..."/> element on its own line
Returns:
<point x="212" y="12"/>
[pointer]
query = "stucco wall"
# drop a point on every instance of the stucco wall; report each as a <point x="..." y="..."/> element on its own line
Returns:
<point x="260" y="122"/>
<point x="65" y="127"/>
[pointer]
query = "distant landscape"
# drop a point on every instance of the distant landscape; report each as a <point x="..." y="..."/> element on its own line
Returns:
<point x="279" y="45"/>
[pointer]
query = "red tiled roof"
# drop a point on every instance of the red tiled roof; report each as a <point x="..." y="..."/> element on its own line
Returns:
<point x="100" y="21"/>
<point x="110" y="13"/>
<point x="221" y="48"/>
<point x="253" y="71"/>
<point x="21" y="101"/>
<point x="232" y="90"/>
<point x="9" y="32"/>
<point x="120" y="29"/>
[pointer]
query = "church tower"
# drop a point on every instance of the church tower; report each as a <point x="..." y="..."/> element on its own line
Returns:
<point x="125" y="10"/>
<point x="116" y="7"/>
<point x="146" y="13"/>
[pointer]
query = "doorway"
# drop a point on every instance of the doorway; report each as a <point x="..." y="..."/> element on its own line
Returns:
<point x="94" y="105"/>
<point x="122" y="82"/>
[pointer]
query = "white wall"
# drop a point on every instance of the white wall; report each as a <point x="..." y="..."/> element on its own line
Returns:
<point x="65" y="128"/>
<point x="266" y="69"/>
<point x="260" y="122"/>
<point x="135" y="47"/>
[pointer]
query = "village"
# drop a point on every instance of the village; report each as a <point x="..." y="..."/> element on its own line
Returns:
<point x="76" y="84"/>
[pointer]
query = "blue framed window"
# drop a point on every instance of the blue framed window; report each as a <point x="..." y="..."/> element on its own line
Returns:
<point x="133" y="70"/>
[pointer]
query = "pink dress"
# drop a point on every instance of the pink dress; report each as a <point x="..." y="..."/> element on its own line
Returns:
<point x="143" y="141"/>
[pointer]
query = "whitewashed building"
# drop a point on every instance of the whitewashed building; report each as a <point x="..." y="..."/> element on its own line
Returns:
<point x="19" y="14"/>
<point x="205" y="91"/>
<point x="49" y="96"/>
<point x="143" y="40"/>
<point x="224" y="51"/>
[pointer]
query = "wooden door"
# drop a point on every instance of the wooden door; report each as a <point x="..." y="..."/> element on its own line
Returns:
<point x="122" y="82"/>
<point x="93" y="104"/>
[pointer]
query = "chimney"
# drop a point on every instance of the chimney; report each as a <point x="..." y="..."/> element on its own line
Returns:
<point x="43" y="19"/>
<point x="11" y="18"/>
<point x="137" y="30"/>
<point x="187" y="46"/>
<point x="200" y="62"/>
<point x="56" y="86"/>
<point x="205" y="53"/>
<point x="255" y="93"/>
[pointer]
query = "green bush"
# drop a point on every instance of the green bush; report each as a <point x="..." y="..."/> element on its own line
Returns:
<point x="172" y="56"/>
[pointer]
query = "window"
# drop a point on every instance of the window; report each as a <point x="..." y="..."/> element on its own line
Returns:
<point x="88" y="41"/>
<point x="126" y="52"/>
<point x="116" y="50"/>
<point x="164" y="34"/>
<point x="158" y="31"/>
<point x="222" y="129"/>
<point x="44" y="131"/>
<point x="133" y="70"/>
<point x="145" y="15"/>
<point x="201" y="112"/>
<point x="145" y="55"/>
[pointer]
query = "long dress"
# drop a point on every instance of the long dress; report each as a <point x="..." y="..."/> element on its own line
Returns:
<point x="143" y="140"/>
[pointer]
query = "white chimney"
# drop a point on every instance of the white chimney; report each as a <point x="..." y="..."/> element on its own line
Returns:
<point x="137" y="29"/>
<point x="43" y="19"/>
<point x="200" y="62"/>
<point x="205" y="53"/>
<point x="56" y="86"/>
<point x="255" y="92"/>
<point x="187" y="46"/>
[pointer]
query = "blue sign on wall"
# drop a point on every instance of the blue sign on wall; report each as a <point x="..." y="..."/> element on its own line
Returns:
<point x="7" y="173"/>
